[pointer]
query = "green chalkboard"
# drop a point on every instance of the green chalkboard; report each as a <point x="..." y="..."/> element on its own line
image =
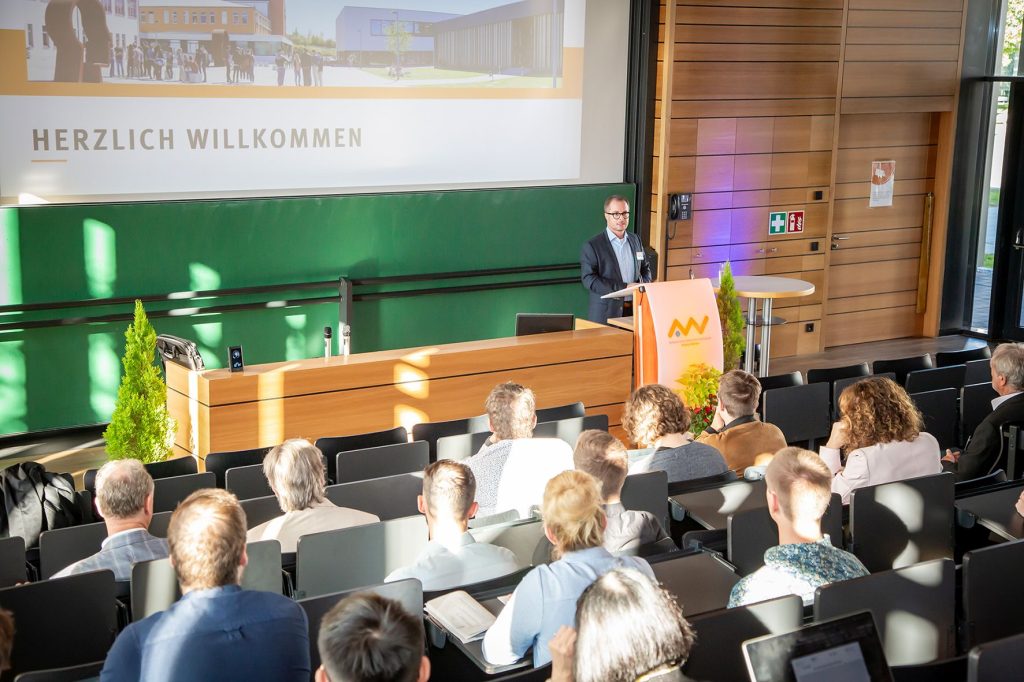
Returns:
<point x="64" y="376"/>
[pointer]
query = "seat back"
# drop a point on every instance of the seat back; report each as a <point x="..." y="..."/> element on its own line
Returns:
<point x="647" y="492"/>
<point x="1012" y="452"/>
<point x="383" y="460"/>
<point x="840" y="385"/>
<point x="554" y="414"/>
<point x="802" y="412"/>
<point x="977" y="371"/>
<point x="913" y="608"/>
<point x="993" y="597"/>
<point x="781" y="380"/>
<point x="717" y="654"/>
<point x="965" y="488"/>
<point x="12" y="561"/>
<point x="975" y="405"/>
<point x="921" y="380"/>
<point x="902" y="523"/>
<point x="333" y="445"/>
<point x="525" y="539"/>
<point x="960" y="357"/>
<point x="62" y="547"/>
<point x="832" y="374"/>
<point x="219" y="462"/>
<point x="409" y="593"/>
<point x="74" y="673"/>
<point x="247" y="482"/>
<point x="260" y="510"/>
<point x="461" y="446"/>
<point x="570" y="428"/>
<point x="753" y="531"/>
<point x="700" y="582"/>
<point x="263" y="572"/>
<point x="169" y="492"/>
<point x="939" y="409"/>
<point x="902" y="366"/>
<point x="996" y="661"/>
<point x="680" y="487"/>
<point x="391" y="497"/>
<point x="430" y="432"/>
<point x="178" y="466"/>
<point x="370" y="552"/>
<point x="64" y="622"/>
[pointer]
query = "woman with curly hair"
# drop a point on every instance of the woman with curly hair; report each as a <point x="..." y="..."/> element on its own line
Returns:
<point x="881" y="433"/>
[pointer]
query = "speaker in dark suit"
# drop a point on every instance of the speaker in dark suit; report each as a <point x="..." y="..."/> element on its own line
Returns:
<point x="604" y="258"/>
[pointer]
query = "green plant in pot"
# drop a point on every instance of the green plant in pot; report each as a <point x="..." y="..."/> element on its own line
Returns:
<point x="734" y="340"/>
<point x="699" y="393"/>
<point x="140" y="427"/>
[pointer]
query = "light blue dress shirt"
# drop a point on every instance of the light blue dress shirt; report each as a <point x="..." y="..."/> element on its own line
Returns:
<point x="546" y="600"/>
<point x="624" y="254"/>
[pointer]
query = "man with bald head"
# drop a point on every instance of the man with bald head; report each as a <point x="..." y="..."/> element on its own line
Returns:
<point x="124" y="496"/>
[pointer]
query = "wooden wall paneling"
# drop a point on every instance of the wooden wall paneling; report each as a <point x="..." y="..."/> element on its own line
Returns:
<point x="944" y="5"/>
<point x="862" y="190"/>
<point x="911" y="162"/>
<point x="863" y="279"/>
<point x="853" y="215"/>
<point x="899" y="79"/>
<point x="888" y="130"/>
<point x="665" y="128"/>
<point x="756" y="80"/>
<point x="869" y="325"/>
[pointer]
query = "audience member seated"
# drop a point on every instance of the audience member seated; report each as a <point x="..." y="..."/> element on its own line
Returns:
<point x="452" y="557"/>
<point x="798" y="488"/>
<point x="124" y="495"/>
<point x="295" y="471"/>
<point x="367" y="638"/>
<point x="985" y="445"/>
<point x="546" y="598"/>
<point x="216" y="630"/>
<point x="604" y="457"/>
<point x="512" y="467"/>
<point x="655" y="417"/>
<point x="627" y="628"/>
<point x="880" y="431"/>
<point x="6" y="639"/>
<point x="735" y="430"/>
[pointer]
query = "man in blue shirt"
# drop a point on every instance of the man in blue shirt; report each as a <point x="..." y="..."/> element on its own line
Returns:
<point x="216" y="630"/>
<point x="611" y="260"/>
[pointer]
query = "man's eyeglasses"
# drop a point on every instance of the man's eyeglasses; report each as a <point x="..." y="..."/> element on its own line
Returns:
<point x="618" y="215"/>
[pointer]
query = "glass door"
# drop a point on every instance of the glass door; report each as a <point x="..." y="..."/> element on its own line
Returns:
<point x="1007" y="310"/>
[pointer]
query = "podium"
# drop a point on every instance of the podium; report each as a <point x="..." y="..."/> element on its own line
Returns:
<point x="675" y="325"/>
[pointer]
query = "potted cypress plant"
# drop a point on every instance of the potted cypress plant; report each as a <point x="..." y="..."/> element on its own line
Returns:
<point x="734" y="340"/>
<point x="140" y="427"/>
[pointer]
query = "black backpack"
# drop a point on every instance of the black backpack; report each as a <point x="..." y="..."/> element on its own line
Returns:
<point x="35" y="500"/>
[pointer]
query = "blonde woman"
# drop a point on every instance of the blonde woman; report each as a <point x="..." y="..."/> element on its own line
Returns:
<point x="882" y="434"/>
<point x="546" y="598"/>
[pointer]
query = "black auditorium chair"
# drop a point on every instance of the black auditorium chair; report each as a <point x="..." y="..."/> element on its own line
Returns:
<point x="383" y="460"/>
<point x="335" y="444"/>
<point x="647" y="492"/>
<point x="525" y="539"/>
<point x="913" y="608"/>
<point x="965" y="488"/>
<point x="717" y="653"/>
<point x="921" y="380"/>
<point x="430" y="432"/>
<point x="978" y="371"/>
<point x="220" y="462"/>
<point x="902" y="366"/>
<point x="178" y="466"/>
<point x="260" y="510"/>
<point x="168" y="492"/>
<point x="61" y="547"/>
<point x="248" y="482"/>
<point x="1012" y="455"/>
<point x="752" y="532"/>
<point x="570" y="428"/>
<point x="553" y="414"/>
<point x="63" y="622"/>
<point x="700" y="581"/>
<point x="996" y="661"/>
<point x="703" y="483"/>
<point x="781" y="380"/>
<point x="939" y="409"/>
<point x="959" y="357"/>
<point x="390" y="497"/>
<point x="975" y="405"/>
<point x="993" y="597"/>
<point x="802" y="412"/>
<point x="12" y="561"/>
<point x="904" y="522"/>
<point x="841" y="385"/>
<point x="75" y="673"/>
<point x="460" y="446"/>
<point x="833" y="374"/>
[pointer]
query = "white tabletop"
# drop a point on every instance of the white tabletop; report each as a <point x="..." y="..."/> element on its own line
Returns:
<point x="761" y="286"/>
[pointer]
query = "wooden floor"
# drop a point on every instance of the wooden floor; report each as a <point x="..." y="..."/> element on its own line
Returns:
<point x="82" y="450"/>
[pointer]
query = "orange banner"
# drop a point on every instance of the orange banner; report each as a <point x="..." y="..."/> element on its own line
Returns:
<point x="677" y="326"/>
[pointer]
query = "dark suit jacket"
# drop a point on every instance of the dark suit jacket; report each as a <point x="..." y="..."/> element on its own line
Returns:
<point x="982" y="451"/>
<point x="600" y="272"/>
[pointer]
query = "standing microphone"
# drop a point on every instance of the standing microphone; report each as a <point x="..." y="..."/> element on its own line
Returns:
<point x="346" y="339"/>
<point x="327" y="342"/>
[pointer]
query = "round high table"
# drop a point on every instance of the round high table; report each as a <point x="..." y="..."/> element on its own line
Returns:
<point x="766" y="288"/>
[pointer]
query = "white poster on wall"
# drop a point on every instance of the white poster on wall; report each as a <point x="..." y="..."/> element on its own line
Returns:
<point x="286" y="96"/>
<point x="883" y="178"/>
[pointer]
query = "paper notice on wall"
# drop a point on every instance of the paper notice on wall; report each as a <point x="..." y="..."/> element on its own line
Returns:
<point x="883" y="177"/>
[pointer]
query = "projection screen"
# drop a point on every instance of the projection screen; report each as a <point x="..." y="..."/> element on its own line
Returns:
<point x="106" y="100"/>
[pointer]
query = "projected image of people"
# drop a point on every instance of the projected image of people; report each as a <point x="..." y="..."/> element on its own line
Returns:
<point x="321" y="43"/>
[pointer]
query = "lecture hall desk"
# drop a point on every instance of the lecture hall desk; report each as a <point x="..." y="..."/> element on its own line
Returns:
<point x="217" y="410"/>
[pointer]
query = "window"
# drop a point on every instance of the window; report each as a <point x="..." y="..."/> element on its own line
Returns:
<point x="46" y="38"/>
<point x="119" y="7"/>
<point x="224" y="17"/>
<point x="202" y="18"/>
<point x="174" y="17"/>
<point x="245" y="17"/>
<point x="234" y="17"/>
<point x="133" y="8"/>
<point x="30" y="40"/>
<point x="195" y="18"/>
<point x="167" y="16"/>
<point x="108" y="6"/>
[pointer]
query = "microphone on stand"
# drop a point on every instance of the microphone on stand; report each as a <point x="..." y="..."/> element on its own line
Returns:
<point x="346" y="339"/>
<point x="327" y="342"/>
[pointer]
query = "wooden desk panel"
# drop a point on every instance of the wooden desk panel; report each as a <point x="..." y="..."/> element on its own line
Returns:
<point x="313" y="398"/>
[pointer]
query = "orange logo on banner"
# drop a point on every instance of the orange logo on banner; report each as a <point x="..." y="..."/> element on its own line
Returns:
<point x="677" y="329"/>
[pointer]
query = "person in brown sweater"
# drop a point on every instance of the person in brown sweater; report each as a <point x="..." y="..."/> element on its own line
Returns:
<point x="736" y="431"/>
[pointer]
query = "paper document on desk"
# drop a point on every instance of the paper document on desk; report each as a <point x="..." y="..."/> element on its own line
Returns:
<point x="461" y="615"/>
